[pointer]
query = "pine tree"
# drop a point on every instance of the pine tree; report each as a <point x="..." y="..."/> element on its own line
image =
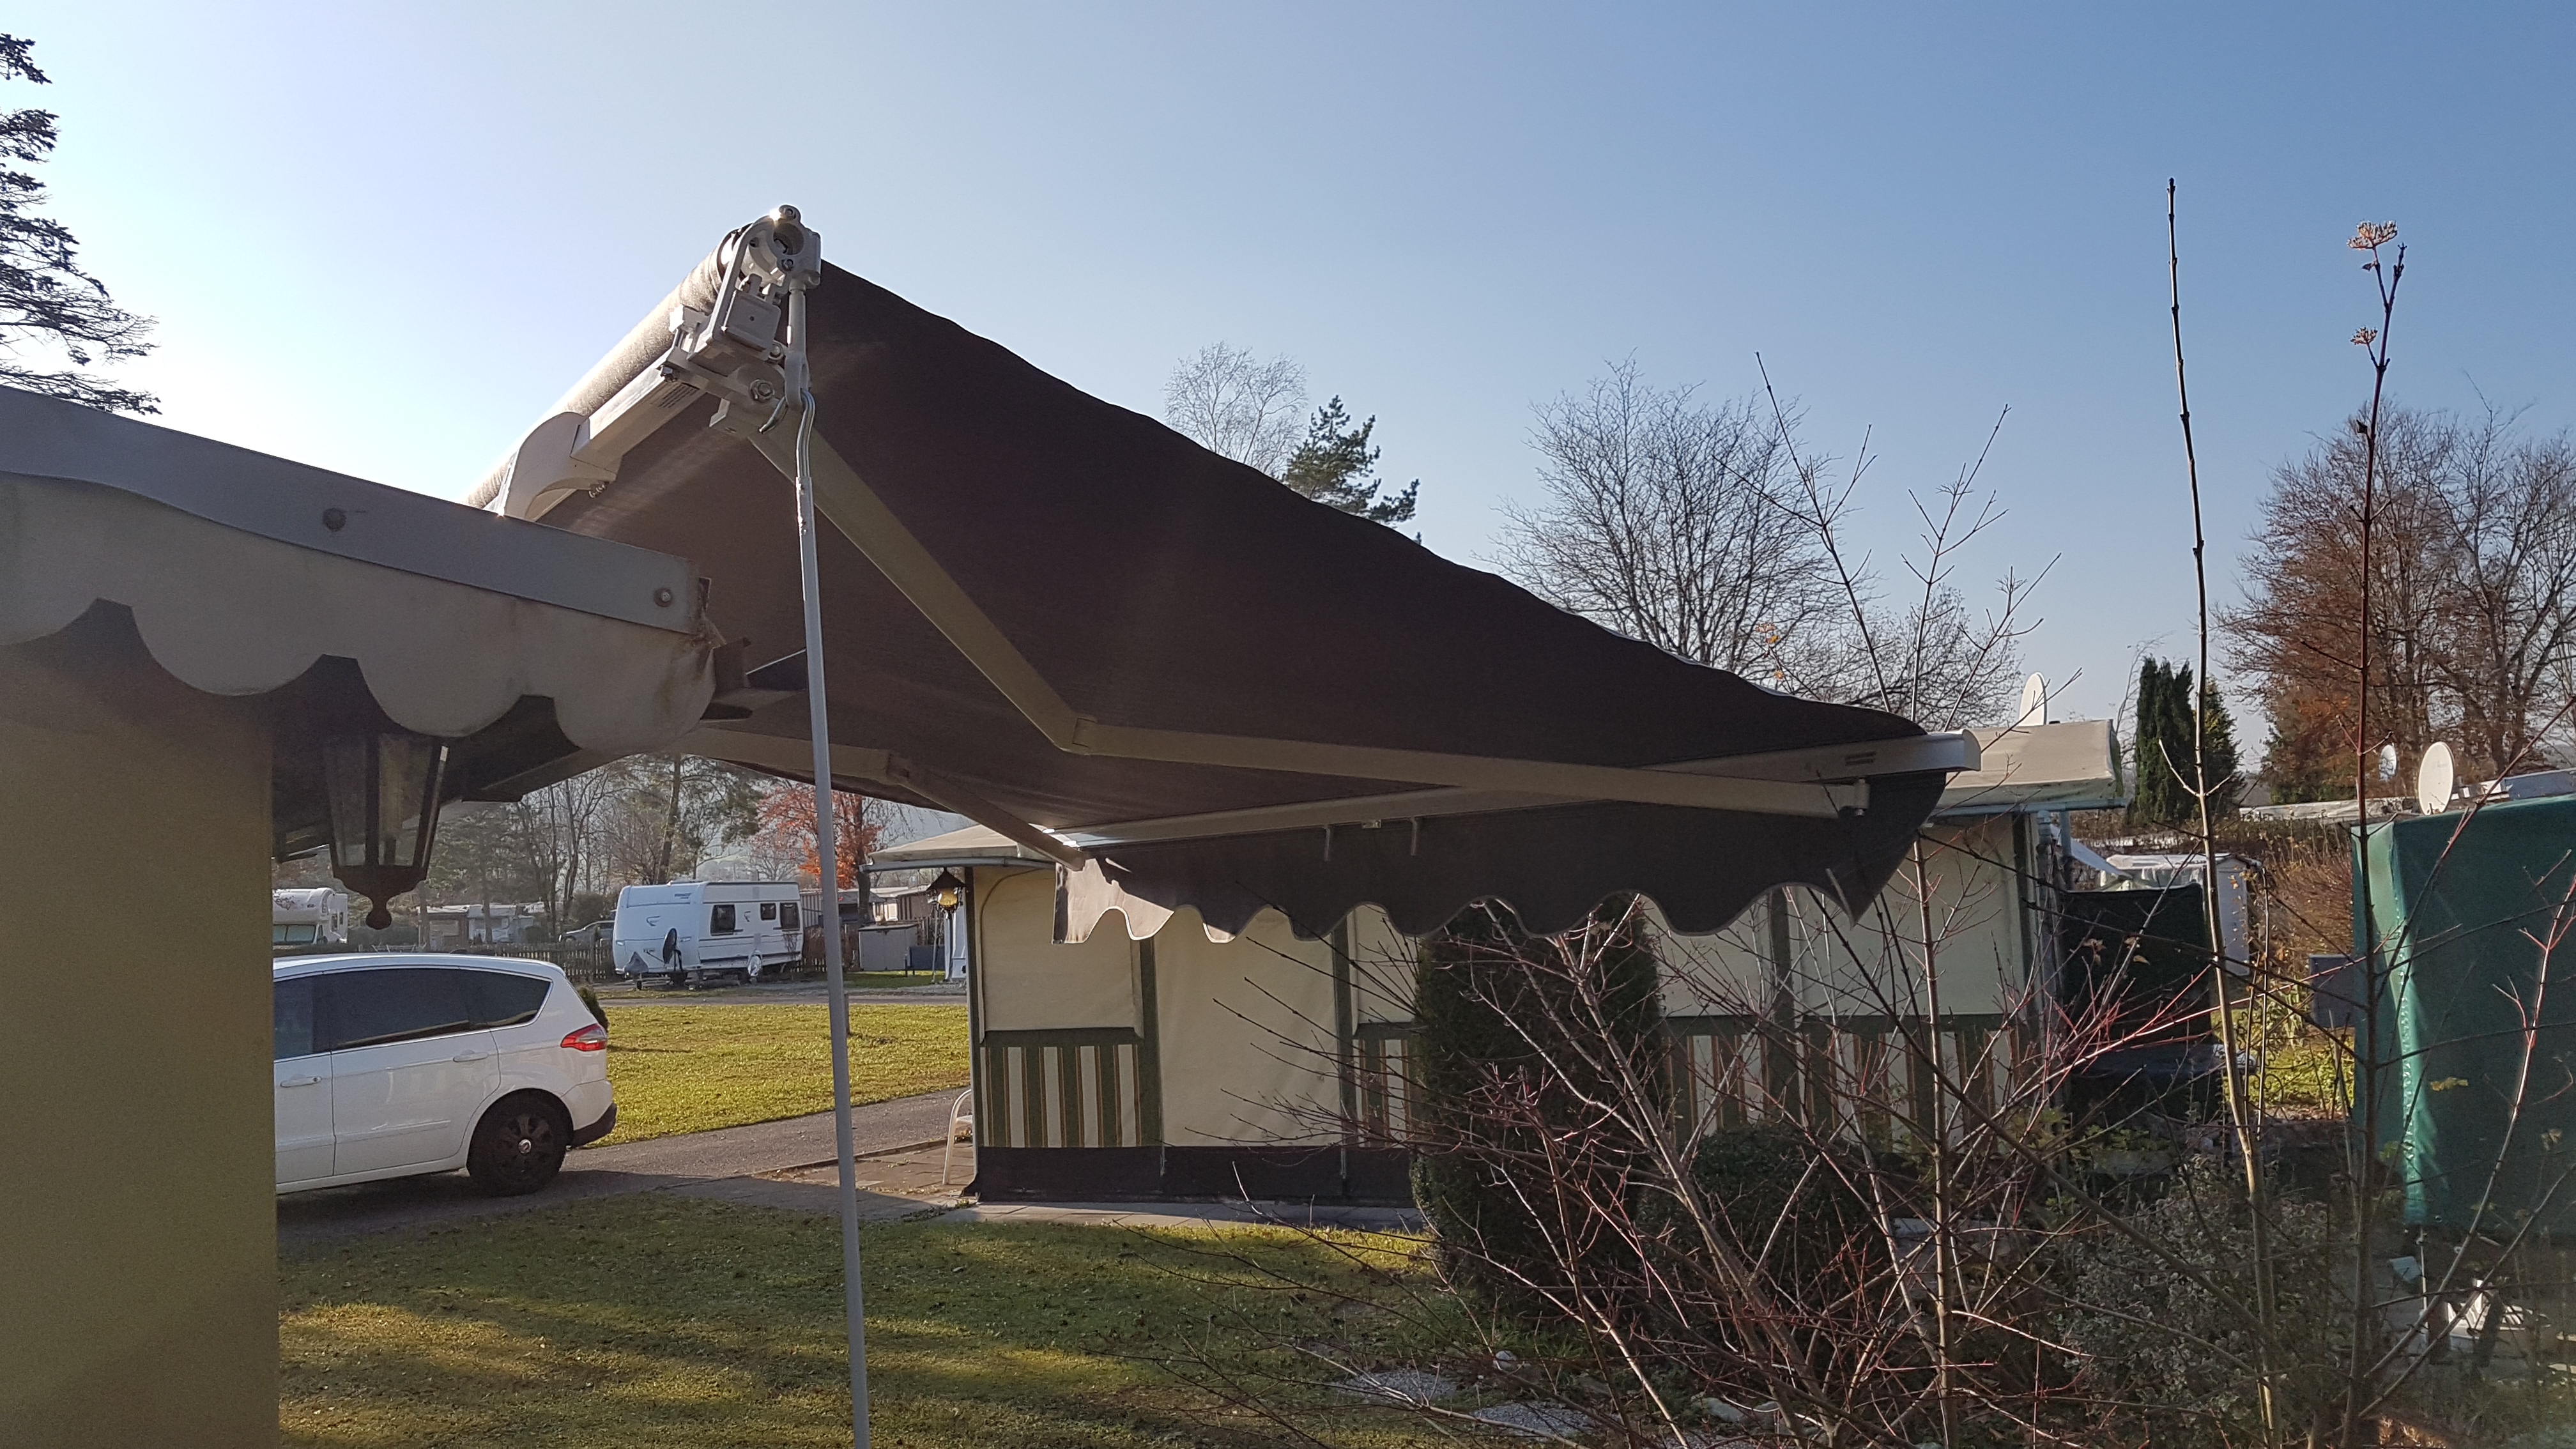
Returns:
<point x="1334" y="463"/>
<point x="44" y="295"/>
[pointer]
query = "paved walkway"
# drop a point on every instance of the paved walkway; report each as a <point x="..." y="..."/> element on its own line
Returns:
<point x="789" y="1165"/>
<point x="688" y="1161"/>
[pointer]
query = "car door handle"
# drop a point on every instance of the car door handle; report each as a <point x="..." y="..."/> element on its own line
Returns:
<point x="469" y="1056"/>
<point x="300" y="1082"/>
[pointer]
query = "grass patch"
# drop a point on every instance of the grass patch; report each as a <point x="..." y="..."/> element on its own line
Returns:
<point x="855" y="980"/>
<point x="666" y="1321"/>
<point x="691" y="1068"/>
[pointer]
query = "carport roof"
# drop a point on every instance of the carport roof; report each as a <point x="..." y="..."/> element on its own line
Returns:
<point x="537" y="652"/>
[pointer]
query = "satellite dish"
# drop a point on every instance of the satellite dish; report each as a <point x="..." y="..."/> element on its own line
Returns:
<point x="2434" y="779"/>
<point x="2034" y="702"/>
<point x="2388" y="762"/>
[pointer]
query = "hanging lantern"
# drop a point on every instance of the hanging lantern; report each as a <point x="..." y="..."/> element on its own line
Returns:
<point x="946" y="890"/>
<point x="383" y="788"/>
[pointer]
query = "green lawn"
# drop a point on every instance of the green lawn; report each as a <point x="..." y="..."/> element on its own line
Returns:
<point x="690" y="1068"/>
<point x="654" y="1320"/>
<point x="855" y="980"/>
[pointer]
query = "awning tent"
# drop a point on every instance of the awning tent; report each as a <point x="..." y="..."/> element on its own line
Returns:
<point x="1163" y="669"/>
<point x="1200" y="1063"/>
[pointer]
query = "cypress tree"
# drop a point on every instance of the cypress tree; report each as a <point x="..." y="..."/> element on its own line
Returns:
<point x="2163" y="793"/>
<point x="1507" y="1050"/>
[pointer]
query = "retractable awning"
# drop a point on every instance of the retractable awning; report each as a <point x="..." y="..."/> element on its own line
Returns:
<point x="1181" y="680"/>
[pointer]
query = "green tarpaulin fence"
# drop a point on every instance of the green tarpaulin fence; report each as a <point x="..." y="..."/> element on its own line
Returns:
<point x="2477" y="926"/>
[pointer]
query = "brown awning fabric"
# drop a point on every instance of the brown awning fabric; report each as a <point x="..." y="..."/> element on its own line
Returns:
<point x="1159" y="587"/>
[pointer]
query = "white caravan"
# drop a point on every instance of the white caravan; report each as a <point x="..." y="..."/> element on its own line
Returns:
<point x="689" y="931"/>
<point x="307" y="918"/>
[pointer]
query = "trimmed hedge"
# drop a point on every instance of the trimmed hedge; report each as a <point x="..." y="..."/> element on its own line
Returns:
<point x="1511" y="1034"/>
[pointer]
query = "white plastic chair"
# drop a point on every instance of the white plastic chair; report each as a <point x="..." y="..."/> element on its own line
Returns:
<point x="961" y="1113"/>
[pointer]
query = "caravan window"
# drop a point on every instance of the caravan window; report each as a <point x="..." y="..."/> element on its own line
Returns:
<point x="720" y="920"/>
<point x="293" y="935"/>
<point x="787" y="916"/>
<point x="769" y="910"/>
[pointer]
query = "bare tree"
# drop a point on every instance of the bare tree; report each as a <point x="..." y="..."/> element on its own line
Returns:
<point x="1672" y="520"/>
<point x="1232" y="403"/>
<point x="670" y="809"/>
<point x="555" y="832"/>
<point x="2471" y="625"/>
<point x="1703" y="528"/>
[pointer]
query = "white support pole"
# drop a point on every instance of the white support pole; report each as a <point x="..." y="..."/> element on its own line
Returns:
<point x="828" y="867"/>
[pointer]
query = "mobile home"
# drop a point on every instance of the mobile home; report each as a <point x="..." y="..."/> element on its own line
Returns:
<point x="300" y="918"/>
<point x="689" y="931"/>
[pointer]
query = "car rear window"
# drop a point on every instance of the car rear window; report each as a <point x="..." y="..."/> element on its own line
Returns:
<point x="294" y="1006"/>
<point x="498" y="998"/>
<point x="394" y="1003"/>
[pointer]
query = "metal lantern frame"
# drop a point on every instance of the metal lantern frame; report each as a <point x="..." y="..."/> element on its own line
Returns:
<point x="380" y="844"/>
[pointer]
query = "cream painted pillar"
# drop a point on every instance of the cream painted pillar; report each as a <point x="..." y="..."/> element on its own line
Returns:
<point x="138" y="1239"/>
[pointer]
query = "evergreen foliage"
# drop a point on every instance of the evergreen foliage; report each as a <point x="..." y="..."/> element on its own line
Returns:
<point x="1512" y="1034"/>
<point x="45" y="297"/>
<point x="1334" y="463"/>
<point x="2163" y="791"/>
<point x="1787" y="1208"/>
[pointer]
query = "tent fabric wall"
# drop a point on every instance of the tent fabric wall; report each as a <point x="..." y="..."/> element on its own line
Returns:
<point x="1981" y="929"/>
<point x="1248" y="1051"/>
<point x="2475" y="915"/>
<point x="1092" y="984"/>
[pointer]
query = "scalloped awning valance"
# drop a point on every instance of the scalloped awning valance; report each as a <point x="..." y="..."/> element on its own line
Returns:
<point x="454" y="620"/>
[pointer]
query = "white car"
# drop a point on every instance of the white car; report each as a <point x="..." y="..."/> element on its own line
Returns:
<point x="397" y="1065"/>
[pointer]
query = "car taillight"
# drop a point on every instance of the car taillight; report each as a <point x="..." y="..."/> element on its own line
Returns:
<point x="591" y="1038"/>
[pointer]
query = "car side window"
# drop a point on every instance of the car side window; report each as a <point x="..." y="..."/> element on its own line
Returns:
<point x="720" y="920"/>
<point x="394" y="1003"/>
<point x="293" y="1035"/>
<point x="787" y="916"/>
<point x="498" y="998"/>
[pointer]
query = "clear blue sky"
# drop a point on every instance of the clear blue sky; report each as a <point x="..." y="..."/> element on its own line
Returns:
<point x="383" y="239"/>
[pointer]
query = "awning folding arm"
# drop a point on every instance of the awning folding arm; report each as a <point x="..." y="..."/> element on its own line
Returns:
<point x="883" y="768"/>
